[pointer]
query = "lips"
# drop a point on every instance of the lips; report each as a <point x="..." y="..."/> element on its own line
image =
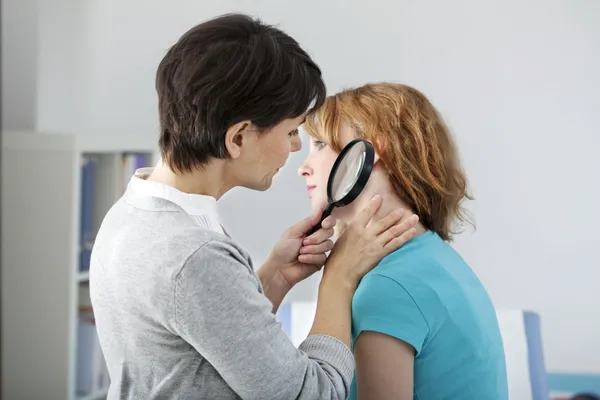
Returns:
<point x="310" y="188"/>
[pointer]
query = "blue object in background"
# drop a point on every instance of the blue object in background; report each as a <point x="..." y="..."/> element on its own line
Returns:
<point x="284" y="316"/>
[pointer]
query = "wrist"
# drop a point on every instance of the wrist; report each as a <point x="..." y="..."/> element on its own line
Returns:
<point x="265" y="273"/>
<point x="274" y="282"/>
<point x="274" y="285"/>
<point x="338" y="282"/>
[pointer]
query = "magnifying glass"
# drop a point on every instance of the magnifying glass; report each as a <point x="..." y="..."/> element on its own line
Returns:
<point x="348" y="176"/>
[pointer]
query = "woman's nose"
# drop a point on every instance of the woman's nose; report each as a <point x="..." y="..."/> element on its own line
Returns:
<point x="304" y="171"/>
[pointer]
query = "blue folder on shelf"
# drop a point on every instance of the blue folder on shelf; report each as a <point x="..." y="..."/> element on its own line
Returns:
<point x="88" y="187"/>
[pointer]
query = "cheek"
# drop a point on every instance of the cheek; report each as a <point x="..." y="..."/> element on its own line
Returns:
<point x="276" y="153"/>
<point x="325" y="167"/>
<point x="279" y="149"/>
<point x="321" y="194"/>
<point x="318" y="199"/>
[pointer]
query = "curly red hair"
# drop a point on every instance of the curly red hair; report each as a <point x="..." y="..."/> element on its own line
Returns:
<point x="414" y="145"/>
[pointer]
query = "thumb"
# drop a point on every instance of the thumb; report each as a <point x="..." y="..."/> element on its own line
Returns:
<point x="369" y="211"/>
<point x="301" y="228"/>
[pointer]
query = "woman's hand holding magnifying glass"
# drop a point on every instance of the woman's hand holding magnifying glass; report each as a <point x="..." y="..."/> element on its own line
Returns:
<point x="293" y="259"/>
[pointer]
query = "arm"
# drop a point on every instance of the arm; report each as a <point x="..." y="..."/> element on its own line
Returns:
<point x="223" y="315"/>
<point x="391" y="329"/>
<point x="295" y="257"/>
<point x="334" y="311"/>
<point x="274" y="286"/>
<point x="384" y="367"/>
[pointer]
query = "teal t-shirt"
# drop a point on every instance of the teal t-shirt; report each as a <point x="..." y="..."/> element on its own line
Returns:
<point x="426" y="295"/>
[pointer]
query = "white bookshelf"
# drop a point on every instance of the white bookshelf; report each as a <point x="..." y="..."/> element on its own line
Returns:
<point x="42" y="286"/>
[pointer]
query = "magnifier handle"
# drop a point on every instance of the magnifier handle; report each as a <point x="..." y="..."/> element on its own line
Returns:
<point x="326" y="214"/>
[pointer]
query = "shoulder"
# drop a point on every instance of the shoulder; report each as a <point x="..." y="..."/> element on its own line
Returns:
<point x="215" y="253"/>
<point x="214" y="248"/>
<point x="379" y="289"/>
<point x="396" y="275"/>
<point x="381" y="304"/>
<point x="425" y="270"/>
<point x="217" y="273"/>
<point x="382" y="292"/>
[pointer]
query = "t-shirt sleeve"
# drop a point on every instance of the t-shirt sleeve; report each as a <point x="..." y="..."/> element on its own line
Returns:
<point x="220" y="311"/>
<point x="383" y="305"/>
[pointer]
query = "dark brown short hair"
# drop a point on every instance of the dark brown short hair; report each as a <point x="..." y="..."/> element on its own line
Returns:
<point x="223" y="71"/>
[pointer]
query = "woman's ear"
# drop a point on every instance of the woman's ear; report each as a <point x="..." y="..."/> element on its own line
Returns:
<point x="235" y="137"/>
<point x="379" y="144"/>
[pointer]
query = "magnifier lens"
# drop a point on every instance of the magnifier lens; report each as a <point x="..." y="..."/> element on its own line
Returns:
<point x="348" y="171"/>
<point x="348" y="177"/>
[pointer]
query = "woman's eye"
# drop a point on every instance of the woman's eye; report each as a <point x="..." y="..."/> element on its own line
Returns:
<point x="293" y="133"/>
<point x="318" y="144"/>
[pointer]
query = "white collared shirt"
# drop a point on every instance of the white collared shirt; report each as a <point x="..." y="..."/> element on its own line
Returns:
<point x="203" y="209"/>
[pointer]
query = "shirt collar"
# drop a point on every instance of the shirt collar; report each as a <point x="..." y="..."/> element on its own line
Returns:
<point x="202" y="208"/>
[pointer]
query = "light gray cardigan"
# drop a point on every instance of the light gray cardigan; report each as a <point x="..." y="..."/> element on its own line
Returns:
<point x="181" y="314"/>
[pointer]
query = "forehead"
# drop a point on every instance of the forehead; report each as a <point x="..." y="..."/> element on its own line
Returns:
<point x="298" y="120"/>
<point x="290" y="124"/>
<point x="346" y="133"/>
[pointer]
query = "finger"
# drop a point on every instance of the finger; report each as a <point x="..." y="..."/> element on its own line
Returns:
<point x="399" y="241"/>
<point x="398" y="230"/>
<point x="302" y="227"/>
<point x="317" y="248"/>
<point x="367" y="213"/>
<point x="318" y="237"/>
<point x="328" y="222"/>
<point x="387" y="222"/>
<point x="312" y="259"/>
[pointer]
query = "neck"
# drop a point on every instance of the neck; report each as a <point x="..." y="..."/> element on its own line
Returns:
<point x="379" y="184"/>
<point x="212" y="180"/>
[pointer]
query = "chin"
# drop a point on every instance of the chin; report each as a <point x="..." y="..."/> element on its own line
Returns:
<point x="317" y="205"/>
<point x="316" y="208"/>
<point x="260" y="186"/>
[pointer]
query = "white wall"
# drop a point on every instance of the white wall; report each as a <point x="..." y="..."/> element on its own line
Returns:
<point x="519" y="83"/>
<point x="64" y="69"/>
<point x="19" y="59"/>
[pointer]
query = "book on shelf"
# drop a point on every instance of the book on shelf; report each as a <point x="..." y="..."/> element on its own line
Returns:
<point x="92" y="372"/>
<point x="88" y="193"/>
